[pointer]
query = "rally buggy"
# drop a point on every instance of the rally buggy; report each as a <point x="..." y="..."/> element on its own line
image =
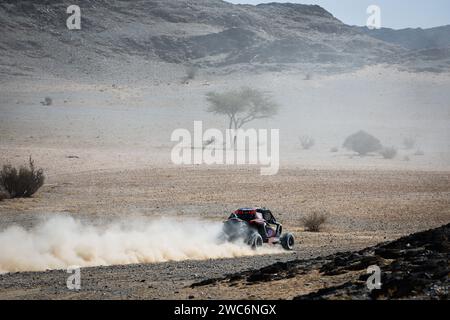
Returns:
<point x="256" y="226"/>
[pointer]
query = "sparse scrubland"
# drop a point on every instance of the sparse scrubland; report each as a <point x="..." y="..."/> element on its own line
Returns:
<point x="365" y="208"/>
<point x="110" y="182"/>
<point x="307" y="142"/>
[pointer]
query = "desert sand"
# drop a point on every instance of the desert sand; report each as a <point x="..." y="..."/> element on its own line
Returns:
<point x="106" y="154"/>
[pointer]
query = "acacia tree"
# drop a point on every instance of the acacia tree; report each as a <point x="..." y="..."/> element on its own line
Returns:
<point x="242" y="106"/>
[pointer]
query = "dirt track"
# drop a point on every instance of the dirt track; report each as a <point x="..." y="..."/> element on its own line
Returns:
<point x="365" y="208"/>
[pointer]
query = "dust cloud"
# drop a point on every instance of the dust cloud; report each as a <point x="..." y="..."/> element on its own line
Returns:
<point x="63" y="241"/>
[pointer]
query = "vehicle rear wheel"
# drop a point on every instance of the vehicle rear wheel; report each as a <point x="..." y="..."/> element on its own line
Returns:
<point x="255" y="240"/>
<point x="288" y="241"/>
<point x="234" y="230"/>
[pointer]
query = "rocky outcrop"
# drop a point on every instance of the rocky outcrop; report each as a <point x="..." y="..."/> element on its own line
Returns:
<point x="207" y="33"/>
<point x="416" y="266"/>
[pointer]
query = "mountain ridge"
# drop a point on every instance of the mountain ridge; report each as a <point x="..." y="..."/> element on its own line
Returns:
<point x="413" y="38"/>
<point x="118" y="36"/>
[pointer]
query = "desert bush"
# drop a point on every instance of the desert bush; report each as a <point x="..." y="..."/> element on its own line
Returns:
<point x="307" y="142"/>
<point x="362" y="143"/>
<point x="22" y="182"/>
<point x="308" y="76"/>
<point x="191" y="72"/>
<point x="209" y="142"/>
<point x="419" y="152"/>
<point x="409" y="143"/>
<point x="334" y="149"/>
<point x="313" y="222"/>
<point x="389" y="152"/>
<point x="47" y="101"/>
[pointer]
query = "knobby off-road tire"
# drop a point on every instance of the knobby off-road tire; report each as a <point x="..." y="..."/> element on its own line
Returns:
<point x="288" y="241"/>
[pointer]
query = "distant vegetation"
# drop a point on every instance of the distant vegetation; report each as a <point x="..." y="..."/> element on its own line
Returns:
<point x="242" y="106"/>
<point x="409" y="143"/>
<point x="313" y="222"/>
<point x="419" y="152"/>
<point x="362" y="143"/>
<point x="307" y="142"/>
<point x="191" y="72"/>
<point x="47" y="101"/>
<point x="22" y="182"/>
<point x="389" y="152"/>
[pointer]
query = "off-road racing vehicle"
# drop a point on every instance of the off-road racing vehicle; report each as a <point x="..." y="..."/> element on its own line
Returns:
<point x="256" y="226"/>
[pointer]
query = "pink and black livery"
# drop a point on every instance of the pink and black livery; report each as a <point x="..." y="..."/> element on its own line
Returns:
<point x="257" y="226"/>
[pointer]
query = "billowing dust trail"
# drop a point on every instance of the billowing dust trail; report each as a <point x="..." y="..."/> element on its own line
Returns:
<point x="60" y="242"/>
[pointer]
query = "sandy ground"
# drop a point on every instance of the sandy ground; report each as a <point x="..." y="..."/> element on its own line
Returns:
<point x="106" y="152"/>
<point x="365" y="208"/>
<point x="131" y="125"/>
<point x="370" y="202"/>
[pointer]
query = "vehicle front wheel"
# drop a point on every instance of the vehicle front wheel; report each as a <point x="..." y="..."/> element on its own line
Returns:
<point x="288" y="241"/>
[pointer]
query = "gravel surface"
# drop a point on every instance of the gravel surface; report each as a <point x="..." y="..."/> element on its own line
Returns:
<point x="355" y="209"/>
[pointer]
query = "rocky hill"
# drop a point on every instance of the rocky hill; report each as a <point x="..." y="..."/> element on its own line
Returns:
<point x="143" y="38"/>
<point x="118" y="36"/>
<point x="427" y="49"/>
<point x="413" y="39"/>
<point x="413" y="267"/>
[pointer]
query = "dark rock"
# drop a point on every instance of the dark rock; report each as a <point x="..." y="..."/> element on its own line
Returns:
<point x="204" y="282"/>
<point x="388" y="253"/>
<point x="416" y="266"/>
<point x="260" y="276"/>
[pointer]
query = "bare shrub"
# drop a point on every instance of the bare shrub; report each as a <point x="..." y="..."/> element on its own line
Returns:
<point x="419" y="153"/>
<point x="307" y="142"/>
<point x="209" y="142"/>
<point x="47" y="101"/>
<point x="308" y="76"/>
<point x="409" y="143"/>
<point x="389" y="152"/>
<point x="21" y="183"/>
<point x="191" y="72"/>
<point x="313" y="222"/>
<point x="362" y="143"/>
<point x="334" y="149"/>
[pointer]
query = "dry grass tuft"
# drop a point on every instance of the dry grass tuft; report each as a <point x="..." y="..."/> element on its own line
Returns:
<point x="314" y="221"/>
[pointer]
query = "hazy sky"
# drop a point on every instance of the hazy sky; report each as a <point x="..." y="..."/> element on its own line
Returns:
<point x="394" y="13"/>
